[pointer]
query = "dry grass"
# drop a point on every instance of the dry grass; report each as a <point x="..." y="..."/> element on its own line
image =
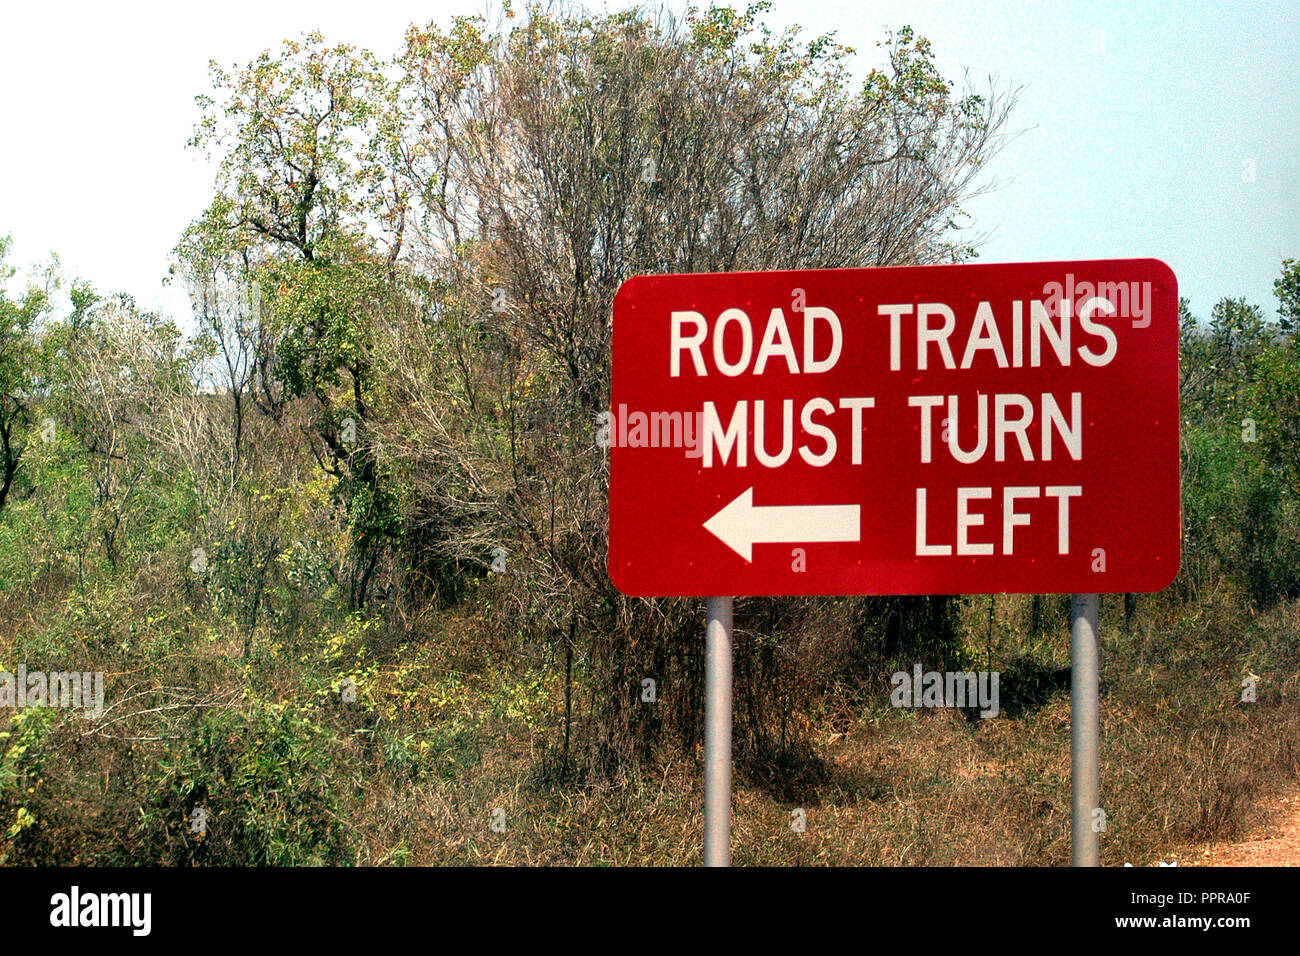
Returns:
<point x="445" y="733"/>
<point x="1182" y="759"/>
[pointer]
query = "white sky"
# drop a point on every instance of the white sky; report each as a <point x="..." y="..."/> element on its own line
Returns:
<point x="1139" y="125"/>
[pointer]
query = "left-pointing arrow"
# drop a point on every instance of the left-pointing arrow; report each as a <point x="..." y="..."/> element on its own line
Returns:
<point x="740" y="525"/>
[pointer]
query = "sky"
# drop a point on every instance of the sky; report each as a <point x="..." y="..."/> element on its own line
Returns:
<point x="1166" y="130"/>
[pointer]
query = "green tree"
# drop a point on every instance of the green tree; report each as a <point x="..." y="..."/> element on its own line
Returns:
<point x="20" y="382"/>
<point x="309" y="212"/>
<point x="1277" y="410"/>
<point x="1287" y="289"/>
<point x="1277" y="390"/>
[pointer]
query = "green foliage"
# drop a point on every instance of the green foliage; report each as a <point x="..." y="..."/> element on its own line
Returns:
<point x="307" y="206"/>
<point x="23" y="746"/>
<point x="1277" y="411"/>
<point x="262" y="778"/>
<point x="20" y="372"/>
<point x="51" y="531"/>
<point x="1238" y="517"/>
<point x="1241" y="442"/>
<point x="1287" y="289"/>
<point x="295" y="129"/>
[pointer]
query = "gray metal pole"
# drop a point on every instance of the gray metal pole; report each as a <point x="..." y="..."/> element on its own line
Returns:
<point x="717" y="733"/>
<point x="1085" y="730"/>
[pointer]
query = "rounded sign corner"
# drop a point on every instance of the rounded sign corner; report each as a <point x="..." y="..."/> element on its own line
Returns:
<point x="1164" y="270"/>
<point x="1171" y="575"/>
<point x="628" y="287"/>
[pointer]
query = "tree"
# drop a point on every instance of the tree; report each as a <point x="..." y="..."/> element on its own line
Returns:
<point x="438" y="241"/>
<point x="19" y="379"/>
<point x="549" y="161"/>
<point x="1287" y="289"/>
<point x="115" y="365"/>
<point x="1278" y="392"/>
<point x="226" y="304"/>
<point x="1239" y="335"/>
<point x="306" y="207"/>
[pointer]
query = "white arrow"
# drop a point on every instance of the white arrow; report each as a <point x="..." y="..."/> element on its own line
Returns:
<point x="740" y="525"/>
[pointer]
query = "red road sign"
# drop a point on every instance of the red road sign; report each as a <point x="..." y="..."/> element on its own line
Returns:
<point x="918" y="430"/>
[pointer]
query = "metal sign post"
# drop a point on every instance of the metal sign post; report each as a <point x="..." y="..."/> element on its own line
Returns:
<point x="717" y="733"/>
<point x="1084" y="732"/>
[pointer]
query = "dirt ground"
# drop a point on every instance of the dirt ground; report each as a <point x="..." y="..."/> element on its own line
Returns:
<point x="1272" y="840"/>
